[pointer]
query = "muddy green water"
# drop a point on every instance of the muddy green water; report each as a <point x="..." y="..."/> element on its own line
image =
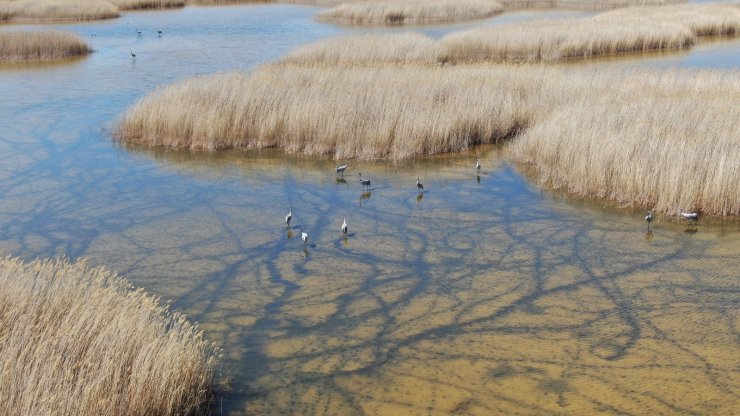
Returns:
<point x="481" y="295"/>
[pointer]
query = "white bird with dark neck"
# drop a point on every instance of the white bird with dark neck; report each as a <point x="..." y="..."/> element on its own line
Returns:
<point x="691" y="216"/>
<point x="289" y="217"/>
<point x="649" y="217"/>
<point x="344" y="226"/>
<point x="419" y="185"/>
<point x="341" y="169"/>
<point x="304" y="236"/>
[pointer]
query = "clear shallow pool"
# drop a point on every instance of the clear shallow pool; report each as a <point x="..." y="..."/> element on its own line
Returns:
<point x="481" y="296"/>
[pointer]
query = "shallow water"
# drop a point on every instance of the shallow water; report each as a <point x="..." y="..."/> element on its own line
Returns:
<point x="482" y="295"/>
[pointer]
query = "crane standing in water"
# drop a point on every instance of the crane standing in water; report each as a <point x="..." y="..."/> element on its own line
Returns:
<point x="477" y="163"/>
<point x="341" y="169"/>
<point x="419" y="185"/>
<point x="649" y="218"/>
<point x="344" y="226"/>
<point x="304" y="236"/>
<point x="289" y="217"/>
<point x="365" y="182"/>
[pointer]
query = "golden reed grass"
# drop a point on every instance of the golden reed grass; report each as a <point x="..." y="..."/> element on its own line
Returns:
<point x="57" y="10"/>
<point x="24" y="46"/>
<point x="367" y="113"/>
<point x="614" y="32"/>
<point x="661" y="139"/>
<point x="391" y="12"/>
<point x="82" y="341"/>
<point x="404" y="111"/>
<point x="619" y="31"/>
<point x="62" y="10"/>
<point x="585" y="4"/>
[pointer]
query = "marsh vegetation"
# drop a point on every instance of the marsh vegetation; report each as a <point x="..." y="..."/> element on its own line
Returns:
<point x="80" y="340"/>
<point x="27" y="46"/>
<point x="75" y="10"/>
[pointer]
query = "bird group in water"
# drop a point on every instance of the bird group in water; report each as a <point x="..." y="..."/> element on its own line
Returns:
<point x="138" y="34"/>
<point x="365" y="182"/>
<point x="691" y="217"/>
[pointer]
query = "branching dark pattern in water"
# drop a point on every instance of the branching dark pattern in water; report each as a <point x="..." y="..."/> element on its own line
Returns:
<point x="482" y="295"/>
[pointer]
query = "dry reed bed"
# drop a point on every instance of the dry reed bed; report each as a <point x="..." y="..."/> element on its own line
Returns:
<point x="81" y="341"/>
<point x="390" y="12"/>
<point x="71" y="10"/>
<point x="633" y="29"/>
<point x="367" y="113"/>
<point x="613" y="32"/>
<point x="397" y="112"/>
<point x="585" y="4"/>
<point x="24" y="46"/>
<point x="665" y="140"/>
<point x="57" y="10"/>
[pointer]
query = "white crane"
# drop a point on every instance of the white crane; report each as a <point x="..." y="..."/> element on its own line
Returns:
<point x="344" y="226"/>
<point x="304" y="236"/>
<point x="289" y="217"/>
<point x="691" y="216"/>
<point x="419" y="185"/>
<point x="341" y="169"/>
<point x="477" y="163"/>
<point x="649" y="218"/>
<point x="365" y="182"/>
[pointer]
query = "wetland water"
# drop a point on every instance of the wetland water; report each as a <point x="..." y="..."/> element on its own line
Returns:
<point x="483" y="295"/>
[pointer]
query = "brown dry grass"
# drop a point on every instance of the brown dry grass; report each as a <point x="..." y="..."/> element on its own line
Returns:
<point x="24" y="46"/>
<point x="81" y="341"/>
<point x="396" y="112"/>
<point x="614" y="32"/>
<point x="57" y="10"/>
<point x="585" y="4"/>
<point x="147" y="4"/>
<point x="390" y="12"/>
<point x="71" y="10"/>
<point x="661" y="139"/>
<point x="620" y="31"/>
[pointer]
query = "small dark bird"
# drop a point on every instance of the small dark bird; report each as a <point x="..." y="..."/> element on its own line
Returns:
<point x="160" y="33"/>
<point x="133" y="55"/>
<point x="344" y="226"/>
<point x="138" y="32"/>
<point x="365" y="182"/>
<point x="419" y="185"/>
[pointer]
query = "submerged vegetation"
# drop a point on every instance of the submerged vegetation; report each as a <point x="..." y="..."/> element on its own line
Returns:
<point x="82" y="341"/>
<point x="25" y="46"/>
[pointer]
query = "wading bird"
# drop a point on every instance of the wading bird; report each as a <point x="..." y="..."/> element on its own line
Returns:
<point x="365" y="182"/>
<point x="649" y="218"/>
<point x="419" y="185"/>
<point x="138" y="32"/>
<point x="304" y="236"/>
<point x="289" y="217"/>
<point x="133" y="55"/>
<point x="344" y="226"/>
<point x="160" y="33"/>
<point x="691" y="216"/>
<point x="341" y="169"/>
<point x="477" y="163"/>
